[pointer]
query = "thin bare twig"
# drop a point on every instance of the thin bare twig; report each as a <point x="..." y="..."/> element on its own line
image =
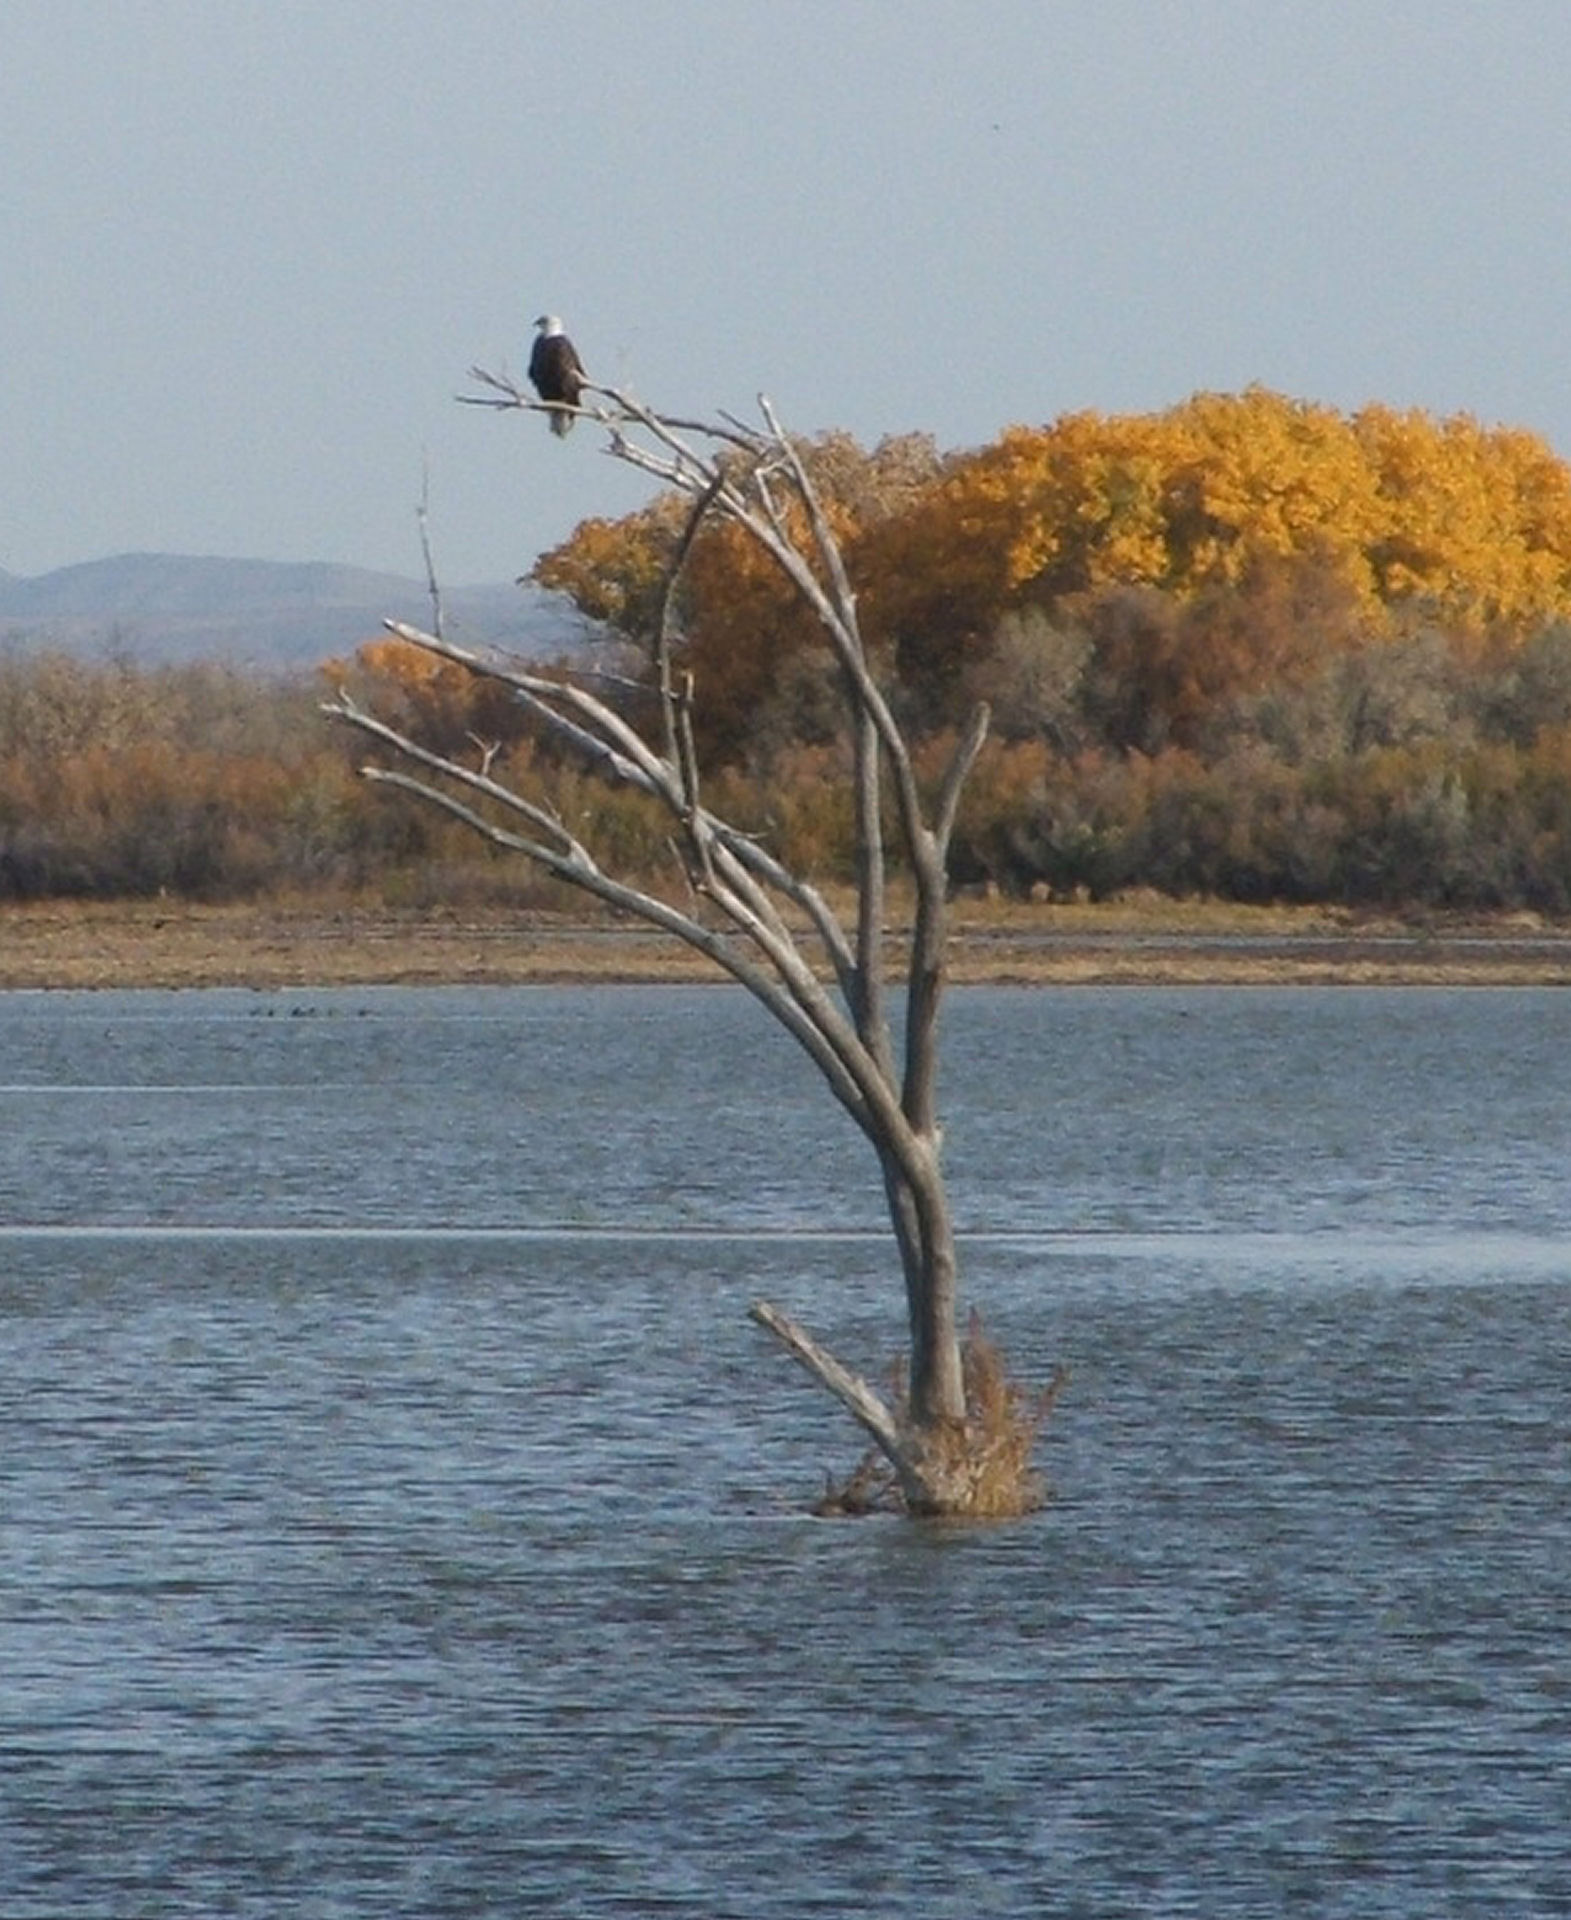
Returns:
<point x="423" y="517"/>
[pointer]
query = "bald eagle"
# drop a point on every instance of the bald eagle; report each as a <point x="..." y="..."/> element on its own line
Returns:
<point x="556" y="370"/>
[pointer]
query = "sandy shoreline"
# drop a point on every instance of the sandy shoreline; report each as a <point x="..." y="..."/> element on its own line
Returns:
<point x="267" y="946"/>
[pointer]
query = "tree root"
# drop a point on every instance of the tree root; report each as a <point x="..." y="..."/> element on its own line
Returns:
<point x="978" y="1469"/>
<point x="870" y="1487"/>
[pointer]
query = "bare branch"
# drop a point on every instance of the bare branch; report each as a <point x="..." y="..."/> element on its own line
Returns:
<point x="662" y="635"/>
<point x="423" y="518"/>
<point x="797" y="1002"/>
<point x="489" y="749"/>
<point x="563" y="861"/>
<point x="956" y="775"/>
<point x="769" y="871"/>
<point x="602" y="731"/>
<point x="823" y="539"/>
<point x="685" y="749"/>
<point x="542" y="818"/>
<point x="668" y="428"/>
<point x="645" y="771"/>
<point x="849" y="1388"/>
<point x="790" y="989"/>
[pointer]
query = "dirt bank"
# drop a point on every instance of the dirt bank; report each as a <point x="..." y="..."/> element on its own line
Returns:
<point x="161" y="944"/>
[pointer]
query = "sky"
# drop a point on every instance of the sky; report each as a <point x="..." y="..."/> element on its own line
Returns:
<point x="249" y="249"/>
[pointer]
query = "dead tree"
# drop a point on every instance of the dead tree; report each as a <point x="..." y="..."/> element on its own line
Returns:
<point x="745" y="910"/>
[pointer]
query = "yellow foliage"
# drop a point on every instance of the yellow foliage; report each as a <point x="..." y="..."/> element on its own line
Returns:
<point x="1477" y="522"/>
<point x="1404" y="513"/>
<point x="615" y="570"/>
<point x="1472" y="522"/>
<point x="437" y="699"/>
<point x="741" y="621"/>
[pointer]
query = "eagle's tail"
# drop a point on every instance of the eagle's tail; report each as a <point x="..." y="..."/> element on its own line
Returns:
<point x="561" y="421"/>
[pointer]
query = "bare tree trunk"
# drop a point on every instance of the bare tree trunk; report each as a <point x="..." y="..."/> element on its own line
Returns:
<point x="741" y="894"/>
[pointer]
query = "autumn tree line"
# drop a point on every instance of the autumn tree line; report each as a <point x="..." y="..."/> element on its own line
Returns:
<point x="1247" y="647"/>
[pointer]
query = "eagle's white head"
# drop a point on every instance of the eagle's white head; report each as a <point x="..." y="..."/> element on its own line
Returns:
<point x="548" y="323"/>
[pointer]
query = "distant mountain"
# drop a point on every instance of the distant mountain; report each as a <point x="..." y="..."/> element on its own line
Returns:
<point x="159" y="607"/>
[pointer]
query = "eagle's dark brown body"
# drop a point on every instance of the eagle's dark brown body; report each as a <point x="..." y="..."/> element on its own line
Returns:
<point x="556" y="370"/>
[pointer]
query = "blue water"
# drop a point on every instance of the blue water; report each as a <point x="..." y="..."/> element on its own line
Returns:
<point x="398" y="1514"/>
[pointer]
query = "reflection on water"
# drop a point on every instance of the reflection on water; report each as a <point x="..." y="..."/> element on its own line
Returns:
<point x="357" y="1561"/>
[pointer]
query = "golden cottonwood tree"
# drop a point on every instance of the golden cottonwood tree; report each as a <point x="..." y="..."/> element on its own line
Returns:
<point x="1443" y="518"/>
<point x="1473" y="522"/>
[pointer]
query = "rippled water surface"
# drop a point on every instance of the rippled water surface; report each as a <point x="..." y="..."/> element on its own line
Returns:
<point x="399" y="1515"/>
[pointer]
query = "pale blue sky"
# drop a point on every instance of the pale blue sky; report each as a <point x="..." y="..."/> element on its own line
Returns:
<point x="248" y="248"/>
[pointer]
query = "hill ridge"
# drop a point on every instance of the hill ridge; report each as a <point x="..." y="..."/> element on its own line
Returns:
<point x="160" y="608"/>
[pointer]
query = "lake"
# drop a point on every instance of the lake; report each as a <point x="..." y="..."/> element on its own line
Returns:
<point x="399" y="1515"/>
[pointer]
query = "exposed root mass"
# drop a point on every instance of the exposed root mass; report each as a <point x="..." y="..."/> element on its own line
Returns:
<point x="981" y="1470"/>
